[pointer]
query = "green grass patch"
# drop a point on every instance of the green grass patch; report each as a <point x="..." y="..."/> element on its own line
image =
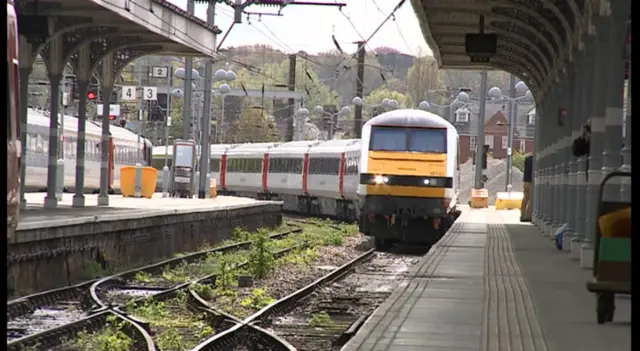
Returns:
<point x="173" y="325"/>
<point x="111" y="338"/>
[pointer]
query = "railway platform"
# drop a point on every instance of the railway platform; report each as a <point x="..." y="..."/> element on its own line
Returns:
<point x="129" y="232"/>
<point x="493" y="284"/>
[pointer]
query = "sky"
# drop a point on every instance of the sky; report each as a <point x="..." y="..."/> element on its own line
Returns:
<point x="309" y="28"/>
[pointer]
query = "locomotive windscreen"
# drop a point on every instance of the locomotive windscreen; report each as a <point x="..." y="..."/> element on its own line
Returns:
<point x="408" y="139"/>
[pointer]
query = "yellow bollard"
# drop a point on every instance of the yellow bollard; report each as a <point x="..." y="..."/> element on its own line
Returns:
<point x="213" y="188"/>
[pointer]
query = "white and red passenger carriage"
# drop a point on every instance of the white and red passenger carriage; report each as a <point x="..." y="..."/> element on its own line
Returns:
<point x="310" y="177"/>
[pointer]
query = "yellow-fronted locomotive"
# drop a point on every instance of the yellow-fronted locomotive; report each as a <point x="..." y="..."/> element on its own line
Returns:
<point x="408" y="177"/>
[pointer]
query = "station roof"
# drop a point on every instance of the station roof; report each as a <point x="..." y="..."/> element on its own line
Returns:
<point x="148" y="22"/>
<point x="535" y="37"/>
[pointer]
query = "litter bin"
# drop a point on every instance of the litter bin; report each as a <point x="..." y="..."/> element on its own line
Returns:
<point x="128" y="181"/>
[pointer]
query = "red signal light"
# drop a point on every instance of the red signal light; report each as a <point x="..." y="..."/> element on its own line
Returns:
<point x="92" y="95"/>
<point x="112" y="117"/>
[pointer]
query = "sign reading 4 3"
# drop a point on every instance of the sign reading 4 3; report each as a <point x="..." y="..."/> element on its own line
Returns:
<point x="128" y="93"/>
<point x="150" y="93"/>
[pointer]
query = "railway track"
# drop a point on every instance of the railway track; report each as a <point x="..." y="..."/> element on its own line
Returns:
<point x="261" y="338"/>
<point x="329" y="316"/>
<point x="58" y="314"/>
<point x="345" y="297"/>
<point x="153" y="279"/>
<point x="53" y="339"/>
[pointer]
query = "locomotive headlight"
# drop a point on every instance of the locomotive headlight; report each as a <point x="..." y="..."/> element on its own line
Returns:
<point x="426" y="182"/>
<point x="380" y="179"/>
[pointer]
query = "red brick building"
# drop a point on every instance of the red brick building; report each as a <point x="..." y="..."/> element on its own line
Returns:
<point x="496" y="131"/>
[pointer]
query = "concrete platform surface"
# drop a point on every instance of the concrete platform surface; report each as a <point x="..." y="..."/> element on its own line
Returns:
<point x="35" y="216"/>
<point x="494" y="284"/>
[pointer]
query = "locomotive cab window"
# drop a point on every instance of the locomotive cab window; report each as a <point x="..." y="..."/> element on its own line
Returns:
<point x="427" y="140"/>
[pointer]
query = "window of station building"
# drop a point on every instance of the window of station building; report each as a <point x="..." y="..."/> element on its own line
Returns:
<point x="472" y="143"/>
<point x="244" y="165"/>
<point x="523" y="146"/>
<point x="285" y="165"/>
<point x="352" y="165"/>
<point x="324" y="165"/>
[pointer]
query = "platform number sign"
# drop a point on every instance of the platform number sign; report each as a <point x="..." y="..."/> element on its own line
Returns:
<point x="128" y="93"/>
<point x="150" y="93"/>
<point x="159" y="72"/>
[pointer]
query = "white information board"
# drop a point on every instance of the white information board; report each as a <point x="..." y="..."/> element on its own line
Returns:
<point x="150" y="93"/>
<point x="114" y="110"/>
<point x="159" y="72"/>
<point x="128" y="93"/>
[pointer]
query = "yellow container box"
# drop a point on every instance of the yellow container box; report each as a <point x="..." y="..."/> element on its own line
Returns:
<point x="479" y="198"/>
<point x="509" y="200"/>
<point x="616" y="224"/>
<point x="128" y="181"/>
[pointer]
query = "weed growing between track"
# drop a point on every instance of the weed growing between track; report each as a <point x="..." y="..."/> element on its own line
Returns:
<point x="174" y="326"/>
<point x="322" y="242"/>
<point x="111" y="338"/>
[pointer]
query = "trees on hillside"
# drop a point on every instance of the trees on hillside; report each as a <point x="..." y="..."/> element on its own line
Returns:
<point x="253" y="126"/>
<point x="422" y="77"/>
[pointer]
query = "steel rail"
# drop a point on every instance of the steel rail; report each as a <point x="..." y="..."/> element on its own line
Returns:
<point x="86" y="293"/>
<point x="118" y="280"/>
<point x="234" y="336"/>
<point x="56" y="336"/>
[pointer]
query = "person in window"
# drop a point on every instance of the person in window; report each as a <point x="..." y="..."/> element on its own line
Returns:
<point x="526" y="207"/>
<point x="582" y="144"/>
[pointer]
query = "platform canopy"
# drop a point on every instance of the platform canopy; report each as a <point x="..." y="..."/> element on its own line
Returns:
<point x="146" y="22"/>
<point x="536" y="38"/>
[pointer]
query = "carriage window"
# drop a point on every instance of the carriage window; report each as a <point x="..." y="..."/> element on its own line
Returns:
<point x="285" y="165"/>
<point x="297" y="165"/>
<point x="244" y="165"/>
<point x="324" y="165"/>
<point x="214" y="165"/>
<point x="274" y="165"/>
<point x="88" y="147"/>
<point x="157" y="163"/>
<point x="352" y="165"/>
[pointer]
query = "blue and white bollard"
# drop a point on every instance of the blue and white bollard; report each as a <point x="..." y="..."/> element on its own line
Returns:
<point x="60" y="179"/>
<point x="138" y="180"/>
<point x="165" y="181"/>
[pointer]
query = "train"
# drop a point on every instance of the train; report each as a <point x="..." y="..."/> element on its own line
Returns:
<point x="316" y="178"/>
<point x="409" y="177"/>
<point x="390" y="193"/>
<point x="124" y="150"/>
<point x="13" y="122"/>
